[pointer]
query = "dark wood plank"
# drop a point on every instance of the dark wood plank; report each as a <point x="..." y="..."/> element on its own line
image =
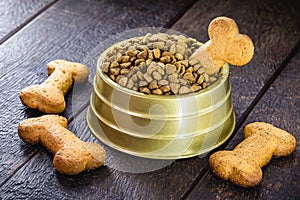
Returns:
<point x="68" y="30"/>
<point x="280" y="106"/>
<point x="175" y="180"/>
<point x="17" y="13"/>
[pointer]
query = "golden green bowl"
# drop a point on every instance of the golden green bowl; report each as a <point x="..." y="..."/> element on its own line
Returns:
<point x="158" y="126"/>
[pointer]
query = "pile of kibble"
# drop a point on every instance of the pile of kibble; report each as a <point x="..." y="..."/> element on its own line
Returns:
<point x="157" y="64"/>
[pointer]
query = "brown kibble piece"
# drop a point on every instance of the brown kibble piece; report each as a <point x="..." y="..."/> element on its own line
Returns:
<point x="179" y="56"/>
<point x="130" y="83"/>
<point x="201" y="71"/>
<point x="159" y="45"/>
<point x="105" y="67"/>
<point x="200" y="79"/>
<point x="48" y="97"/>
<point x="156" y="75"/>
<point x="143" y="83"/>
<point x="148" y="77"/>
<point x="196" y="88"/>
<point x="206" y="77"/>
<point x="132" y="53"/>
<point x="185" y="63"/>
<point x="140" y="75"/>
<point x="165" y="88"/>
<point x="124" y="71"/>
<point x="115" y="71"/>
<point x="163" y="82"/>
<point x="132" y="59"/>
<point x="174" y="88"/>
<point x="142" y="55"/>
<point x="135" y="89"/>
<point x="243" y="165"/>
<point x="184" y="90"/>
<point x="152" y="67"/>
<point x="160" y="68"/>
<point x="190" y="70"/>
<point x="123" y="81"/>
<point x="114" y="64"/>
<point x="173" y="78"/>
<point x="71" y="155"/>
<point x="183" y="82"/>
<point x="190" y="77"/>
<point x="198" y="67"/>
<point x="145" y="90"/>
<point x="179" y="68"/>
<point x="165" y="59"/>
<point x="226" y="44"/>
<point x="112" y="77"/>
<point x="157" y="91"/>
<point x="125" y="59"/>
<point x="134" y="77"/>
<point x="196" y="75"/>
<point x="125" y="65"/>
<point x="170" y="69"/>
<point x="138" y="61"/>
<point x="150" y="55"/>
<point x="118" y="78"/>
<point x="212" y="79"/>
<point x="180" y="49"/>
<point x="153" y="85"/>
<point x="165" y="53"/>
<point x="156" y="53"/>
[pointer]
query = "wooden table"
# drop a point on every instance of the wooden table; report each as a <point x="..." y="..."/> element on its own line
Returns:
<point x="34" y="32"/>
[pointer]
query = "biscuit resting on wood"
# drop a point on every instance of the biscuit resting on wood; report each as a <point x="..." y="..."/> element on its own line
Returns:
<point x="71" y="155"/>
<point x="242" y="166"/>
<point x="48" y="97"/>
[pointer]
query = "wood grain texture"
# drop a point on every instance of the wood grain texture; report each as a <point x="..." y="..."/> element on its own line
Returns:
<point x="14" y="14"/>
<point x="69" y="30"/>
<point x="37" y="178"/>
<point x="280" y="106"/>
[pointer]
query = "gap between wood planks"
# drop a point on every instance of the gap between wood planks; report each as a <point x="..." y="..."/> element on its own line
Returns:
<point x="30" y="19"/>
<point x="244" y="116"/>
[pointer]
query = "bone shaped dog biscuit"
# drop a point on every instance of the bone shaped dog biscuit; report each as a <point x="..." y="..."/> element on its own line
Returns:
<point x="71" y="155"/>
<point x="48" y="97"/>
<point x="243" y="165"/>
<point x="226" y="45"/>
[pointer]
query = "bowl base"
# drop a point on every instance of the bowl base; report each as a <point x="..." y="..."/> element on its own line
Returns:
<point x="99" y="133"/>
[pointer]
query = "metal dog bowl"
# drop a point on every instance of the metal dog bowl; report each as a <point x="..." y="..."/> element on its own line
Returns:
<point x="158" y="126"/>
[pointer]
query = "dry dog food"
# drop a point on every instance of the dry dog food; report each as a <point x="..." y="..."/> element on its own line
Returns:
<point x="71" y="155"/>
<point x="157" y="64"/>
<point x="48" y="97"/>
<point x="243" y="165"/>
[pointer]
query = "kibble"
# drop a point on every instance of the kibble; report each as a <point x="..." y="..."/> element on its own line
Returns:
<point x="157" y="64"/>
<point x="153" y="85"/>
